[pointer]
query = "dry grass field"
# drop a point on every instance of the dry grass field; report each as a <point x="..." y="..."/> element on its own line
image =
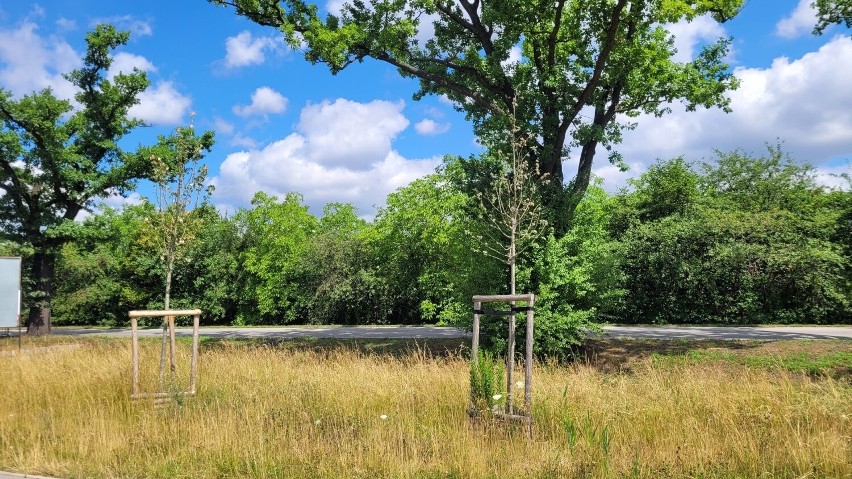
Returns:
<point x="627" y="409"/>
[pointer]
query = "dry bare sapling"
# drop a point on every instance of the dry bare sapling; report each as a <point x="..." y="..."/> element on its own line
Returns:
<point x="510" y="207"/>
<point x="513" y="215"/>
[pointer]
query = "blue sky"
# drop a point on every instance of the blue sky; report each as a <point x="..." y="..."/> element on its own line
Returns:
<point x="285" y="125"/>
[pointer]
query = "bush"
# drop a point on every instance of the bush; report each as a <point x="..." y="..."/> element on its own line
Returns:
<point x="734" y="268"/>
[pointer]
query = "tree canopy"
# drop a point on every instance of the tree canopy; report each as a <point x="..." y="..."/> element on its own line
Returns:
<point x="575" y="69"/>
<point x="830" y="12"/>
<point x="180" y="177"/>
<point x="56" y="157"/>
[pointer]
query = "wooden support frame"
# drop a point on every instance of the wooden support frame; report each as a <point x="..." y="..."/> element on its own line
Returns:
<point x="160" y="396"/>
<point x="510" y="413"/>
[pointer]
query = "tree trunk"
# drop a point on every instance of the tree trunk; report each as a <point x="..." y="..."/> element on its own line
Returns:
<point x="165" y="326"/>
<point x="576" y="189"/>
<point x="169" y="269"/>
<point x="552" y="145"/>
<point x="42" y="268"/>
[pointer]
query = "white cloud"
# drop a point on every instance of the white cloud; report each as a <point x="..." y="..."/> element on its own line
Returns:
<point x="433" y="112"/>
<point x="335" y="7"/>
<point x="222" y="126"/>
<point x="515" y="56"/>
<point x="36" y="11"/>
<point x="426" y="28"/>
<point x="427" y="126"/>
<point x="243" y="141"/>
<point x="244" y="49"/>
<point x="612" y="176"/>
<point x="161" y="104"/>
<point x="803" y="102"/>
<point x="830" y="176"/>
<point x="137" y="27"/>
<point x="66" y="25"/>
<point x="688" y="35"/>
<point x="341" y="152"/>
<point x="123" y="62"/>
<point x="114" y="201"/>
<point x="800" y="22"/>
<point x="264" y="101"/>
<point x="351" y="134"/>
<point x="29" y="62"/>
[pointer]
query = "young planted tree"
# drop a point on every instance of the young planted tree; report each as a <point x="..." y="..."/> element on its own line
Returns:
<point x="179" y="176"/>
<point x="511" y="209"/>
<point x="514" y="218"/>
<point x="180" y="189"/>
<point x="585" y="66"/>
<point x="57" y="157"/>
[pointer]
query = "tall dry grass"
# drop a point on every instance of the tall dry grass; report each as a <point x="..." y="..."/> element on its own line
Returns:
<point x="270" y="412"/>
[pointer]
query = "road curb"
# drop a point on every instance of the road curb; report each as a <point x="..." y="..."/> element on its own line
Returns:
<point x="15" y="475"/>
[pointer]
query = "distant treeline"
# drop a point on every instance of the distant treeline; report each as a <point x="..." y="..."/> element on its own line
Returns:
<point x="740" y="240"/>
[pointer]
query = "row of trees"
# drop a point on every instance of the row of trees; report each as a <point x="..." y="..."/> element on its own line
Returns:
<point x="742" y="240"/>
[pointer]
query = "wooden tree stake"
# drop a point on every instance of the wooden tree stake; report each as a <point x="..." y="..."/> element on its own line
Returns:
<point x="193" y="369"/>
<point x="511" y="413"/>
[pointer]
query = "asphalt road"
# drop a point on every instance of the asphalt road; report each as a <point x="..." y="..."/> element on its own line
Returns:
<point x="730" y="332"/>
<point x="423" y="332"/>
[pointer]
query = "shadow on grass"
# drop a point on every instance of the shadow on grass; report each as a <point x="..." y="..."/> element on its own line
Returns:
<point x="624" y="355"/>
<point x="815" y="358"/>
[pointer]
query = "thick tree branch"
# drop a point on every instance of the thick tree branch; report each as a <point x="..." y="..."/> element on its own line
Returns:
<point x="473" y="26"/>
<point x="554" y="34"/>
<point x="482" y="79"/>
<point x="605" y="51"/>
<point x="16" y="192"/>
<point x="477" y="97"/>
<point x="261" y="18"/>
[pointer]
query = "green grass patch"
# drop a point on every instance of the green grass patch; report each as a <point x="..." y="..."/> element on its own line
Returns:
<point x="815" y="362"/>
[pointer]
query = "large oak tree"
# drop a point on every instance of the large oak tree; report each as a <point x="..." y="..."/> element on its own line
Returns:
<point x="585" y="66"/>
<point x="56" y="157"/>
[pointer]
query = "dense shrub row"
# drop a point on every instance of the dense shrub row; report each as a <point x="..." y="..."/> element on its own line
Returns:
<point x="742" y="240"/>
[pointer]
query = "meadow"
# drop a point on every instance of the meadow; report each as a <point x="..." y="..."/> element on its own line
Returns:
<point x="624" y="409"/>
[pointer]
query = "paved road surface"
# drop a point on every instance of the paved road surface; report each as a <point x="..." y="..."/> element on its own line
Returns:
<point x="336" y="332"/>
<point x="730" y="332"/>
<point x="422" y="332"/>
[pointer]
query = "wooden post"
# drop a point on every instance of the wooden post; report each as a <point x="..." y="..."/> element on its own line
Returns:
<point x="528" y="361"/>
<point x="193" y="369"/>
<point x="474" y="349"/>
<point x="511" y="413"/>
<point x="510" y="363"/>
<point x="170" y="323"/>
<point x="163" y="340"/>
<point x="172" y="345"/>
<point x="135" y="354"/>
